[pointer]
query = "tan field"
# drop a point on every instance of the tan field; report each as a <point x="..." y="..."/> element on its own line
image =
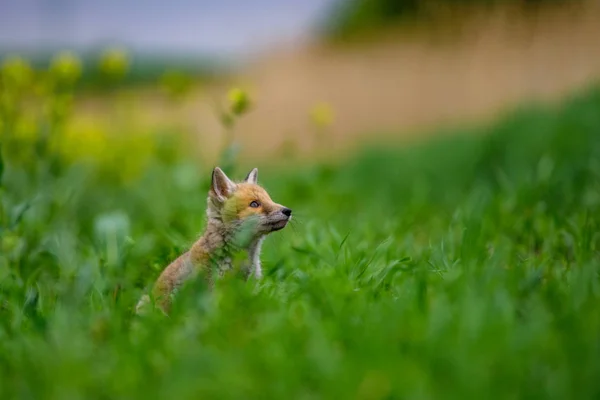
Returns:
<point x="399" y="84"/>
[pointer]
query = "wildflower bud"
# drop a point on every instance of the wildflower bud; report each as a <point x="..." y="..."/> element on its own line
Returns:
<point x="239" y="101"/>
<point x="114" y="63"/>
<point x="66" y="67"/>
<point x="16" y="71"/>
<point x="322" y="115"/>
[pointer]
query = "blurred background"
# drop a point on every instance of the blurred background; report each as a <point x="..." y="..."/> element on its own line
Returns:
<point x="352" y="70"/>
<point x="465" y="267"/>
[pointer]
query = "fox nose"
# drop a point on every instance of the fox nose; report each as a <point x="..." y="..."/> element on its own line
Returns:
<point x="286" y="211"/>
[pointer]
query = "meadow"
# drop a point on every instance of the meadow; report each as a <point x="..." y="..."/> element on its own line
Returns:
<point x="463" y="267"/>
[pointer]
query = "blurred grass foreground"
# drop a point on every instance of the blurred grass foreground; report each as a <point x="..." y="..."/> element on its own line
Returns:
<point x="467" y="267"/>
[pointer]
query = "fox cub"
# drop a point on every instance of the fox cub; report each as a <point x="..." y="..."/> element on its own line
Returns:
<point x="239" y="216"/>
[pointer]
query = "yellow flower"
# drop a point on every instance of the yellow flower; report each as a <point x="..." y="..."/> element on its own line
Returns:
<point x="239" y="101"/>
<point x="16" y="71"/>
<point x="66" y="67"/>
<point x="322" y="115"/>
<point x="114" y="62"/>
<point x="82" y="139"/>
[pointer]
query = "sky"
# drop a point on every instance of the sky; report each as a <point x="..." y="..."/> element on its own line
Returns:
<point x="226" y="27"/>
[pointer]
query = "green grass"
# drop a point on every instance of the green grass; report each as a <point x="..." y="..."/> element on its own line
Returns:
<point x="467" y="267"/>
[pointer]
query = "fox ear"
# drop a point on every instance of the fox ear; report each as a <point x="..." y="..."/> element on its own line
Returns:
<point x="252" y="176"/>
<point x="221" y="186"/>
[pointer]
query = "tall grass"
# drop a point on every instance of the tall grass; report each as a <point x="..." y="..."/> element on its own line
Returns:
<point x="462" y="268"/>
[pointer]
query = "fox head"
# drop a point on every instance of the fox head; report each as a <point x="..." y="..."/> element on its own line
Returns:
<point x="235" y="203"/>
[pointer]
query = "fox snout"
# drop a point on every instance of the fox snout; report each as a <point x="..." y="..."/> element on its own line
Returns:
<point x="278" y="219"/>
<point x="287" y="212"/>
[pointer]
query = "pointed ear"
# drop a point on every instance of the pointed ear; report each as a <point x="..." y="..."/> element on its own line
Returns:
<point x="221" y="186"/>
<point x="252" y="176"/>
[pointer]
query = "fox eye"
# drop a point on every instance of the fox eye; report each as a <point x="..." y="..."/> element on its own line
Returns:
<point x="254" y="204"/>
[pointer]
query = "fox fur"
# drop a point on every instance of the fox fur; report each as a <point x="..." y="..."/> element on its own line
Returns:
<point x="239" y="217"/>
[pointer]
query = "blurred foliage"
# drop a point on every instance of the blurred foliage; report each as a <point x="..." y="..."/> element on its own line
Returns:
<point x="66" y="67"/>
<point x="101" y="69"/>
<point x="349" y="18"/>
<point x="237" y="103"/>
<point x="114" y="63"/>
<point x="176" y="84"/>
<point x="467" y="267"/>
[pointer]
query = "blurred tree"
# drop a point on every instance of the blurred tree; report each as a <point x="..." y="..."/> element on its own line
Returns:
<point x="351" y="17"/>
